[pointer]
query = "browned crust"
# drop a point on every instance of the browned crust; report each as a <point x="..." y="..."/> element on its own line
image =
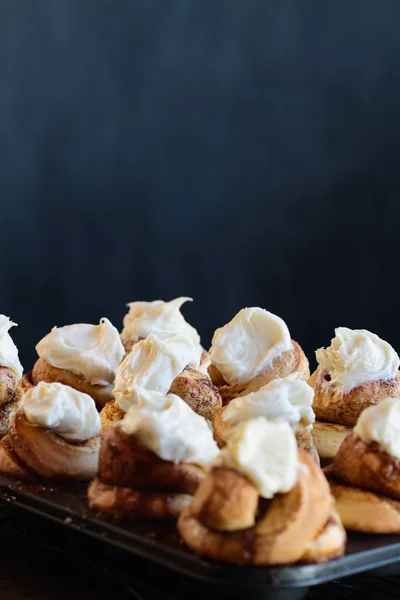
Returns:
<point x="198" y="391"/>
<point x="8" y="385"/>
<point x="289" y="362"/>
<point x="303" y="435"/>
<point x="25" y="383"/>
<point x="124" y="461"/>
<point x="194" y="387"/>
<point x="346" y="408"/>
<point x="10" y="463"/>
<point x="50" y="455"/>
<point x="120" y="502"/>
<point x="282" y="533"/>
<point x="42" y="371"/>
<point x="365" y="511"/>
<point x="330" y="542"/>
<point x="222" y="511"/>
<point x="367" y="466"/>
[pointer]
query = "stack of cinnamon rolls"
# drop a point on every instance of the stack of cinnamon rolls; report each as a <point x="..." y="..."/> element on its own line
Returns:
<point x="255" y="460"/>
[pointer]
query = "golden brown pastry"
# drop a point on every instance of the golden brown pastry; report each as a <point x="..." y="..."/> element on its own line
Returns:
<point x="252" y="350"/>
<point x="365" y="474"/>
<point x="160" y="364"/>
<point x="228" y="519"/>
<point x="25" y="383"/>
<point x="53" y="435"/>
<point x="288" y="399"/>
<point x="358" y="370"/>
<point x="153" y="460"/>
<point x="42" y="371"/>
<point x="10" y="375"/>
<point x="81" y="356"/>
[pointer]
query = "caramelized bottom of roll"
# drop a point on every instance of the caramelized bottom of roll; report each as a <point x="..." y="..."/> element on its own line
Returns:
<point x="285" y="528"/>
<point x="125" y="461"/>
<point x="48" y="454"/>
<point x="292" y="361"/>
<point x="365" y="511"/>
<point x="329" y="543"/>
<point x="10" y="463"/>
<point x="120" y="502"/>
<point x="42" y="371"/>
<point x="133" y="481"/>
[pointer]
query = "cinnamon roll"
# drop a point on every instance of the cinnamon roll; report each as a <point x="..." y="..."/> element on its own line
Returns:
<point x="356" y="371"/>
<point x="264" y="502"/>
<point x="152" y="461"/>
<point x="84" y="357"/>
<point x="252" y="350"/>
<point x="53" y="435"/>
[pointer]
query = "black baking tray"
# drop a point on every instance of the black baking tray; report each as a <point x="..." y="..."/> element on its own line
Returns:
<point x="160" y="543"/>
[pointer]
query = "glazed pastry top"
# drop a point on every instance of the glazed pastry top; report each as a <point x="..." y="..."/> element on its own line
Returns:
<point x="170" y="428"/>
<point x="287" y="399"/>
<point x="8" y="350"/>
<point x="249" y="344"/>
<point x="93" y="351"/>
<point x="381" y="424"/>
<point x="266" y="452"/>
<point x="354" y="357"/>
<point x="153" y="364"/>
<point x="64" y="410"/>
<point x="157" y="317"/>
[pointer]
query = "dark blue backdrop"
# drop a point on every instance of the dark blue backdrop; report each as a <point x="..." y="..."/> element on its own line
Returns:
<point x="240" y="152"/>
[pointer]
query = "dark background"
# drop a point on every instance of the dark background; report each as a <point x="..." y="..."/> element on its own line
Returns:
<point x="242" y="152"/>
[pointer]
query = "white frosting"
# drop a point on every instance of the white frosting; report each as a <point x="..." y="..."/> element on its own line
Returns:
<point x="264" y="451"/>
<point x="64" y="410"/>
<point x="170" y="428"/>
<point x="381" y="424"/>
<point x="248" y="344"/>
<point x="158" y="317"/>
<point x="93" y="351"/>
<point x="8" y="350"/>
<point x="288" y="399"/>
<point x="356" y="356"/>
<point x="153" y="364"/>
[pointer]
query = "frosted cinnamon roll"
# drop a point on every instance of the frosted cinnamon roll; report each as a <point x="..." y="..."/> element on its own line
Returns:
<point x="53" y="435"/>
<point x="356" y="371"/>
<point x="263" y="502"/>
<point x="152" y="461"/>
<point x="81" y="356"/>
<point x="163" y="364"/>
<point x="288" y="399"/>
<point x="365" y="473"/>
<point x="10" y="374"/>
<point x="252" y="350"/>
